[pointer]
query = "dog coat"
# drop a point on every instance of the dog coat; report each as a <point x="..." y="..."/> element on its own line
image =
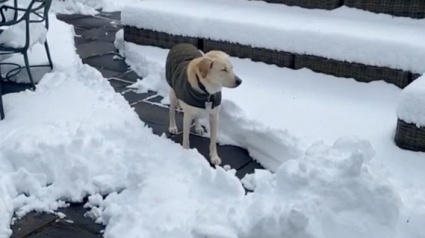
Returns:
<point x="176" y="65"/>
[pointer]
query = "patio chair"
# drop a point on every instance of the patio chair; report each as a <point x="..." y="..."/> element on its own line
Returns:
<point x="39" y="9"/>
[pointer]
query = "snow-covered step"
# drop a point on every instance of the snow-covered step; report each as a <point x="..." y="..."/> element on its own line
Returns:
<point x="344" y="42"/>
<point x="312" y="4"/>
<point x="404" y="8"/>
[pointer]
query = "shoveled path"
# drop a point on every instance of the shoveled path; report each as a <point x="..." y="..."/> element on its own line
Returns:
<point x="94" y="44"/>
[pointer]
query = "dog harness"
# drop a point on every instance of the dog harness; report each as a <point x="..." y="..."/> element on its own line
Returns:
<point x="176" y="75"/>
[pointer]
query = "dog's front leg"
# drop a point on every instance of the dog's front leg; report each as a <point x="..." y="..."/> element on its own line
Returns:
<point x="187" y="121"/>
<point x="214" y="158"/>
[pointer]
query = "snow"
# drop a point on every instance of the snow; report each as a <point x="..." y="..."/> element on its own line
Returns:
<point x="57" y="148"/>
<point x="15" y="36"/>
<point x="411" y="103"/>
<point x="343" y="34"/>
<point x="305" y="112"/>
<point x="89" y="7"/>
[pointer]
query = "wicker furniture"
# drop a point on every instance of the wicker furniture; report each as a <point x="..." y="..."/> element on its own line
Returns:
<point x="155" y="38"/>
<point x="279" y="58"/>
<point x="409" y="136"/>
<point x="403" y="8"/>
<point x="311" y="4"/>
<point x="360" y="72"/>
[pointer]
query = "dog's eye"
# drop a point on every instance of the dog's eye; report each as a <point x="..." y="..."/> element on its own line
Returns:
<point x="224" y="70"/>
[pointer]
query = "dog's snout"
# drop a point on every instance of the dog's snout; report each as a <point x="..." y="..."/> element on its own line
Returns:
<point x="238" y="81"/>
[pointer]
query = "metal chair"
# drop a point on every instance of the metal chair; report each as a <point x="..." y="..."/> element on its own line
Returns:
<point x="39" y="8"/>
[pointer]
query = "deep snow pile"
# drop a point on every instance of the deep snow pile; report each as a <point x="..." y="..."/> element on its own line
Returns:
<point x="333" y="173"/>
<point x="329" y="192"/>
<point x="57" y="147"/>
<point x="378" y="39"/>
<point x="98" y="145"/>
<point x="411" y="104"/>
<point x="309" y="105"/>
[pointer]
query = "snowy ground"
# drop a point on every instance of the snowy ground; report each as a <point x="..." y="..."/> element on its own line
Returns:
<point x="300" y="108"/>
<point x="88" y="7"/>
<point x="57" y="147"/>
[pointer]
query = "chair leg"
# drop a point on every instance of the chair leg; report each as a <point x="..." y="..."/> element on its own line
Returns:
<point x="46" y="46"/>
<point x="27" y="65"/>
<point x="1" y="104"/>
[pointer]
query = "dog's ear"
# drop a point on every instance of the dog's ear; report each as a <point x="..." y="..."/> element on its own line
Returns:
<point x="204" y="65"/>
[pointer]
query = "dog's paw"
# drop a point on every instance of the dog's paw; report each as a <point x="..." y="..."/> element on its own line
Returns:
<point x="173" y="130"/>
<point x="185" y="145"/>
<point x="199" y="130"/>
<point x="215" y="160"/>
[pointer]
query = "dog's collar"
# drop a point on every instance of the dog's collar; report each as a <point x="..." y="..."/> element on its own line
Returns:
<point x="210" y="97"/>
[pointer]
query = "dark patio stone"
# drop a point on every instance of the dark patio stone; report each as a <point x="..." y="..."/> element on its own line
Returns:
<point x="156" y="99"/>
<point x="107" y="62"/>
<point x="129" y="76"/>
<point x="248" y="169"/>
<point x="119" y="86"/>
<point x="158" y="129"/>
<point x="65" y="17"/>
<point x="107" y="73"/>
<point x="89" y="22"/>
<point x="79" y="30"/>
<point x="75" y="212"/>
<point x="155" y="114"/>
<point x="106" y="33"/>
<point x="94" y="48"/>
<point x="62" y="229"/>
<point x="80" y="40"/>
<point x="133" y="97"/>
<point x="31" y="223"/>
<point x="110" y="15"/>
<point x="234" y="156"/>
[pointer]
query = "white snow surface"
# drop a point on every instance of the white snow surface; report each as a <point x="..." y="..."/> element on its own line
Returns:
<point x="411" y="104"/>
<point x="89" y="7"/>
<point x="15" y="36"/>
<point x="74" y="136"/>
<point x="287" y="100"/>
<point x="343" y="34"/>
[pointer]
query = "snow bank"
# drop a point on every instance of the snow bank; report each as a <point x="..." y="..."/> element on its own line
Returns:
<point x="411" y="104"/>
<point x="269" y="146"/>
<point x="56" y="147"/>
<point x="330" y="192"/>
<point x="379" y="40"/>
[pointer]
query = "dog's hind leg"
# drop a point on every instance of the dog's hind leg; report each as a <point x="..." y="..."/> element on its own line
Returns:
<point x="198" y="128"/>
<point x="187" y="121"/>
<point x="172" y="127"/>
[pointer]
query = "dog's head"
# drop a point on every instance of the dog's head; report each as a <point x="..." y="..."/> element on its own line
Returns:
<point x="216" y="70"/>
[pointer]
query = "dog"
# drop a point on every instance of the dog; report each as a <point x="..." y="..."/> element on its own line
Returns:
<point x="196" y="81"/>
